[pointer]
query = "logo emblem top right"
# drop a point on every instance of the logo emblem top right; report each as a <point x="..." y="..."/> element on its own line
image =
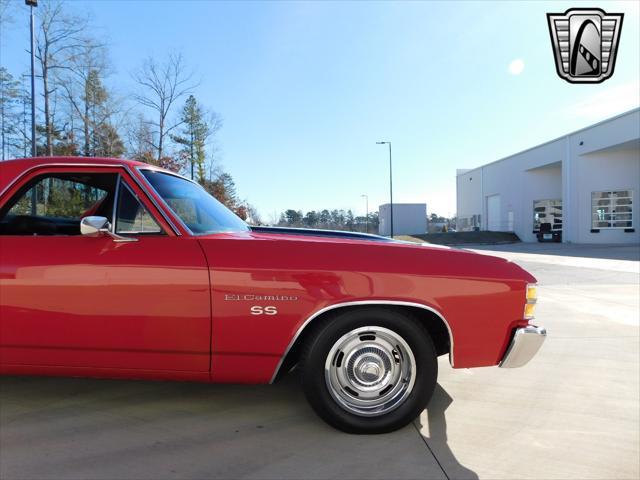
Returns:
<point x="585" y="43"/>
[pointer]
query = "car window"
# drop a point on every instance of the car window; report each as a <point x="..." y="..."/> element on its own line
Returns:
<point x="132" y="217"/>
<point x="197" y="209"/>
<point x="54" y="204"/>
<point x="59" y="198"/>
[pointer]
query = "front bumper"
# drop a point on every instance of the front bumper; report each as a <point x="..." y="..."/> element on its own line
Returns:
<point x="524" y="345"/>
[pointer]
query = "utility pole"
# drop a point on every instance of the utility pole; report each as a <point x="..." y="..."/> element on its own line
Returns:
<point x="24" y="122"/>
<point x="366" y="197"/>
<point x="390" y="182"/>
<point x="34" y="193"/>
<point x="31" y="4"/>
<point x="191" y="148"/>
<point x="2" y="87"/>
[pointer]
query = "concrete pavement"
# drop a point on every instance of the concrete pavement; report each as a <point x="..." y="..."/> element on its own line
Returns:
<point x="573" y="412"/>
<point x="99" y="429"/>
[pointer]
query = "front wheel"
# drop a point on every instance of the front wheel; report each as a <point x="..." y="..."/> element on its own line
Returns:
<point x="369" y="370"/>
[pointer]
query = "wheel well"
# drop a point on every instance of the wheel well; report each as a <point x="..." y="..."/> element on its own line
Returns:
<point x="434" y="324"/>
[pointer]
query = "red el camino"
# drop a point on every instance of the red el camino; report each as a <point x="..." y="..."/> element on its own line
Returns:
<point x="113" y="268"/>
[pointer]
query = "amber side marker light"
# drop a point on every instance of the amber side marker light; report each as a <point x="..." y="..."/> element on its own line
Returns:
<point x="530" y="306"/>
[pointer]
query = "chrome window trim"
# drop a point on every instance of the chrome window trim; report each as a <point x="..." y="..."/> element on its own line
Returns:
<point x="124" y="166"/>
<point x="160" y="170"/>
<point x="28" y="171"/>
<point x="56" y="165"/>
<point x="143" y="187"/>
<point x="116" y="197"/>
<point x="360" y="303"/>
<point x="167" y="172"/>
<point x="115" y="226"/>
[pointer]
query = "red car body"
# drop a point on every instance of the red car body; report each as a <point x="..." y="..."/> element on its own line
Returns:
<point x="188" y="307"/>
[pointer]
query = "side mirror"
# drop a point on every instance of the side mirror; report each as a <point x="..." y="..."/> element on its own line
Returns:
<point x="94" y="226"/>
<point x="98" y="226"/>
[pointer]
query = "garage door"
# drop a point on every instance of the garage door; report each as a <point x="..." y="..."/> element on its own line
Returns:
<point x="493" y="213"/>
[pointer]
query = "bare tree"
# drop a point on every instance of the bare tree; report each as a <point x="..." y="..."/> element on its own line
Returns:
<point x="84" y="90"/>
<point x="5" y="14"/>
<point x="253" y="216"/>
<point x="162" y="85"/>
<point x="60" y="37"/>
<point x="9" y="113"/>
<point x="140" y="139"/>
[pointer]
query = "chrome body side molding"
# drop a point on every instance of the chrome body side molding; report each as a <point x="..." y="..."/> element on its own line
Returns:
<point x="361" y="303"/>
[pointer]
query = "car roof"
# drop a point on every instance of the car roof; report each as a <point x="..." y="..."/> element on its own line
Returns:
<point x="30" y="162"/>
<point x="11" y="169"/>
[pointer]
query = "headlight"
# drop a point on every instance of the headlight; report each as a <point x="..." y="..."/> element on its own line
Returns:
<point x="531" y="299"/>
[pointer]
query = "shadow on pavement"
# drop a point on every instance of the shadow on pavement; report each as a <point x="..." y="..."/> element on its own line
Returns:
<point x="52" y="428"/>
<point x="437" y="441"/>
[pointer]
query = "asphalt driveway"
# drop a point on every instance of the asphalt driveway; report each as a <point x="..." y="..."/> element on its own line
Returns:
<point x="571" y="413"/>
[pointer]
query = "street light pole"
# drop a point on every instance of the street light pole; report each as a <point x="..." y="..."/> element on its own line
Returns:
<point x="390" y="183"/>
<point x="366" y="197"/>
<point x="31" y="4"/>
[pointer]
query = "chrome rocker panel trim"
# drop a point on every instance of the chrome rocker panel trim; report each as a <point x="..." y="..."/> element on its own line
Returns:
<point x="360" y="303"/>
<point x="525" y="344"/>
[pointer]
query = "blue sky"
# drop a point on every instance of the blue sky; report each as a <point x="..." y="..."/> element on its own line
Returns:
<point x="307" y="88"/>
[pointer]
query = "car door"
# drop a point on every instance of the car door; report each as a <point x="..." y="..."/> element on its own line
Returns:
<point x="137" y="303"/>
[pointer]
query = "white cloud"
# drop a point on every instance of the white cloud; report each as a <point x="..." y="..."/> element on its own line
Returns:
<point x="607" y="103"/>
<point x="516" y="66"/>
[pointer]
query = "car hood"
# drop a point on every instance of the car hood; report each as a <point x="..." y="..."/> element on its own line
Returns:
<point x="354" y="251"/>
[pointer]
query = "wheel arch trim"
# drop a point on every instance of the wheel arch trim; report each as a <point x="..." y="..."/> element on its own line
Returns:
<point x="336" y="306"/>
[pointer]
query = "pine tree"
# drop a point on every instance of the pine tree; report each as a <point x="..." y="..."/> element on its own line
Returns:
<point x="193" y="139"/>
<point x="94" y="99"/>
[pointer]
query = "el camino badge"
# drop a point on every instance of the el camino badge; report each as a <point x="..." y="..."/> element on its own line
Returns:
<point x="231" y="297"/>
<point x="258" y="309"/>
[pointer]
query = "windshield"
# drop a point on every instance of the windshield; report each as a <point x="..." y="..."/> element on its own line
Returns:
<point x="198" y="210"/>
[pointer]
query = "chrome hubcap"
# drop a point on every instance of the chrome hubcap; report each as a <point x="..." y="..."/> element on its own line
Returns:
<point x="370" y="371"/>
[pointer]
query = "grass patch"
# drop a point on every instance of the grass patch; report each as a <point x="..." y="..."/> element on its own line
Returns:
<point x="462" y="238"/>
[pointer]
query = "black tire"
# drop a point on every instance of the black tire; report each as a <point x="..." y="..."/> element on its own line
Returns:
<point x="330" y="331"/>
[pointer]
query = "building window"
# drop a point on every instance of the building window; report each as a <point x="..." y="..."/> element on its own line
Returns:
<point x="468" y="224"/>
<point x="612" y="209"/>
<point x="547" y="211"/>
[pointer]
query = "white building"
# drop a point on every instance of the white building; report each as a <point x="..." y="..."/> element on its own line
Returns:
<point x="408" y="219"/>
<point x="586" y="184"/>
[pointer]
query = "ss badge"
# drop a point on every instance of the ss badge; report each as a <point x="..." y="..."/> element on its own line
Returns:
<point x="258" y="310"/>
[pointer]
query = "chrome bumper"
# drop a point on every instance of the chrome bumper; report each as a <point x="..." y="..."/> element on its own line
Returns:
<point x="526" y="342"/>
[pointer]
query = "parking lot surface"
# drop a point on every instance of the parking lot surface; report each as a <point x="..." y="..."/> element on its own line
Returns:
<point x="570" y="413"/>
